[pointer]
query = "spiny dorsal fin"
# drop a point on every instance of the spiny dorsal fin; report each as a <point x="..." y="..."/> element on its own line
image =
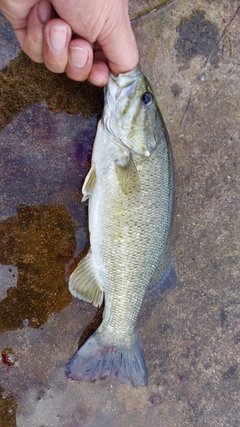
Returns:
<point x="89" y="183"/>
<point x="83" y="283"/>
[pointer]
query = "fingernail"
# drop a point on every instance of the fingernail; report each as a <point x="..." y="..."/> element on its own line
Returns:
<point x="44" y="11"/>
<point x="58" y="36"/>
<point x="78" y="57"/>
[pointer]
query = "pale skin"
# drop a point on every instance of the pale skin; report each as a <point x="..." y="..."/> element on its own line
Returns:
<point x="86" y="39"/>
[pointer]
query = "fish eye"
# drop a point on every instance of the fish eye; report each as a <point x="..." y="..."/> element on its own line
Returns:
<point x="147" y="98"/>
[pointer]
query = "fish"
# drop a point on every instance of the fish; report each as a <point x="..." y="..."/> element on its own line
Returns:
<point x="130" y="193"/>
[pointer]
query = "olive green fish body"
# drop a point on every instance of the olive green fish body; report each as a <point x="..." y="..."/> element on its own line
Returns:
<point x="130" y="189"/>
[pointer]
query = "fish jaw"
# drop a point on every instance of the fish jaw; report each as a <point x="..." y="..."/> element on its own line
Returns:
<point x="126" y="116"/>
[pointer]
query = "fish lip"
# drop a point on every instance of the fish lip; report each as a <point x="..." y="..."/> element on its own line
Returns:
<point x="132" y="74"/>
<point x="120" y="82"/>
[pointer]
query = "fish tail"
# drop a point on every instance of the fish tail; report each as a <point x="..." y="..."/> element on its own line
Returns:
<point x="99" y="360"/>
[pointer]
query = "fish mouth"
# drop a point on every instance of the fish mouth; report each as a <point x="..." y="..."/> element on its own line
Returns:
<point x="126" y="79"/>
<point x="118" y="89"/>
<point x="121" y="86"/>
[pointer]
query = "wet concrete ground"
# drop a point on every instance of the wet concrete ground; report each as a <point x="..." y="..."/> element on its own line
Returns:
<point x="190" y="335"/>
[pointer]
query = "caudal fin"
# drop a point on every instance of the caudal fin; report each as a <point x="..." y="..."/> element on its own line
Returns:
<point x="97" y="360"/>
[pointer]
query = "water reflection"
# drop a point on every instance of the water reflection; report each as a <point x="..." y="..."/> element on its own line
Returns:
<point x="44" y="158"/>
<point x="8" y="407"/>
<point x="24" y="83"/>
<point x="47" y="128"/>
<point x="39" y="241"/>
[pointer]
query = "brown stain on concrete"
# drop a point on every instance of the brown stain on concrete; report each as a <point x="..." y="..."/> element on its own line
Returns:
<point x="39" y="241"/>
<point x="24" y="83"/>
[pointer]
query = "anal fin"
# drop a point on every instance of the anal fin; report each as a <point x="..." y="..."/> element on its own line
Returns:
<point x="83" y="283"/>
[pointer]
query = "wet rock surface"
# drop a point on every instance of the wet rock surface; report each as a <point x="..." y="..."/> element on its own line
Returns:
<point x="191" y="334"/>
<point x="196" y="36"/>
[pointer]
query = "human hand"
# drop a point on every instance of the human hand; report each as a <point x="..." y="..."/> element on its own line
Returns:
<point x="87" y="38"/>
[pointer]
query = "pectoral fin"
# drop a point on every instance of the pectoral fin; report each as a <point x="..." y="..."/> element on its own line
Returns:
<point x="127" y="176"/>
<point x="89" y="183"/>
<point x="83" y="283"/>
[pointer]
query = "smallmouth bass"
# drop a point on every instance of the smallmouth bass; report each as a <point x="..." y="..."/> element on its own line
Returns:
<point x="130" y="192"/>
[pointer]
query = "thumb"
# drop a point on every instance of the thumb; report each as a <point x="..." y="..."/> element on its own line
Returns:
<point x="119" y="45"/>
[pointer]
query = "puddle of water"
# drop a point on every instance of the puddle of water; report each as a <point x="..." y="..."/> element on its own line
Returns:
<point x="47" y="128"/>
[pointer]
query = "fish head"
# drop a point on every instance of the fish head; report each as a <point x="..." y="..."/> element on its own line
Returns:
<point x="131" y="112"/>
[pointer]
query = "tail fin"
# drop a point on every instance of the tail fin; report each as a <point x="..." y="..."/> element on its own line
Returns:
<point x="97" y="360"/>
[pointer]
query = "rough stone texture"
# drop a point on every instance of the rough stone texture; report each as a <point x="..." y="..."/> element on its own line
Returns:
<point x="190" y="335"/>
<point x="139" y="8"/>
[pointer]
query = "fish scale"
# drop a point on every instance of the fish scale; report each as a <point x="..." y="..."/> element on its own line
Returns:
<point x="135" y="276"/>
<point x="130" y="191"/>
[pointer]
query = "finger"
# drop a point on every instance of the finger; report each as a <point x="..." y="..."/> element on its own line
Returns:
<point x="98" y="53"/>
<point x="99" y="73"/>
<point x="30" y="36"/>
<point x="57" y="36"/>
<point x="80" y="59"/>
<point x="119" y="44"/>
